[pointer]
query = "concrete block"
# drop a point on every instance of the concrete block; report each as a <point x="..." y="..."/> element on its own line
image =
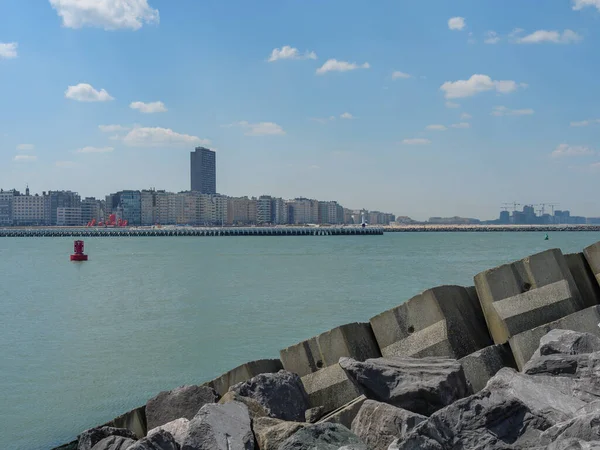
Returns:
<point x="329" y="387"/>
<point x="346" y="413"/>
<point x="134" y="421"/>
<point x="481" y="366"/>
<point x="592" y="255"/>
<point x="528" y="293"/>
<point x="524" y="345"/>
<point x="444" y="321"/>
<point x="354" y="340"/>
<point x="244" y="373"/>
<point x="584" y="279"/>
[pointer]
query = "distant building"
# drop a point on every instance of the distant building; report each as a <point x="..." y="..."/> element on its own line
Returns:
<point x="6" y="207"/>
<point x="126" y="205"/>
<point x="504" y="217"/>
<point x="305" y="211"/>
<point x="264" y="210"/>
<point x="62" y="199"/>
<point x="90" y="209"/>
<point x="203" y="171"/>
<point x="68" y="217"/>
<point x="31" y="210"/>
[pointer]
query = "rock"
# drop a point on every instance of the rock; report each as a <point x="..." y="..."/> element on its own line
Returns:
<point x="312" y="415"/>
<point x="160" y="440"/>
<point x="378" y="424"/>
<point x="271" y="433"/>
<point x="330" y="387"/>
<point x="220" y="427"/>
<point x="345" y="414"/>
<point x="114" y="443"/>
<point x="255" y="409"/>
<point x="420" y="385"/>
<point x="323" y="436"/>
<point x="177" y="428"/>
<point x="512" y="411"/>
<point x="482" y="365"/>
<point x="281" y="394"/>
<point x="567" y="342"/>
<point x="91" y="437"/>
<point x="586" y="427"/>
<point x="242" y="373"/>
<point x="184" y="401"/>
<point x="573" y="444"/>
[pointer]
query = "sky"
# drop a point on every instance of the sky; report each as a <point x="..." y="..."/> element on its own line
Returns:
<point x="428" y="108"/>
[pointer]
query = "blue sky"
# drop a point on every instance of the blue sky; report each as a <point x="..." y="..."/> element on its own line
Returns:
<point x="416" y="108"/>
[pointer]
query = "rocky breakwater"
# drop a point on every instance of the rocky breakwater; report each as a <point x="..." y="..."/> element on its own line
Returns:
<point x="512" y="362"/>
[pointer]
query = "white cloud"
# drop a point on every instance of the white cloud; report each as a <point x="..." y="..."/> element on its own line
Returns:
<point x="25" y="147"/>
<point x="416" y="141"/>
<point x="461" y="125"/>
<point x="456" y="23"/>
<point x="397" y="74"/>
<point x="65" y="164"/>
<point x="95" y="150"/>
<point x="287" y="52"/>
<point x="555" y="37"/>
<point x="25" y="158"/>
<point x="571" y="150"/>
<point x="585" y="123"/>
<point x="466" y="116"/>
<point x="84" y="92"/>
<point x="8" y="50"/>
<point x="347" y="115"/>
<point x="452" y="105"/>
<point x="107" y="14"/>
<point x="333" y="65"/>
<point x="504" y="111"/>
<point x="436" y="127"/>
<point x="580" y="4"/>
<point x="476" y="84"/>
<point x="149" y="108"/>
<point x="259" y="129"/>
<point x="113" y="128"/>
<point x="160" y="137"/>
<point x="491" y="37"/>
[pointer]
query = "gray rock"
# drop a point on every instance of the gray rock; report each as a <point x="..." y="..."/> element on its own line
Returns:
<point x="421" y="385"/>
<point x="572" y="444"/>
<point x="160" y="440"/>
<point x="271" y="433"/>
<point x="184" y="401"/>
<point x="114" y="443"/>
<point x="378" y="424"/>
<point x="568" y="342"/>
<point x="281" y="394"/>
<point x="586" y="428"/>
<point x="220" y="427"/>
<point x="312" y="415"/>
<point x="177" y="428"/>
<point x="346" y="413"/>
<point x="91" y="437"/>
<point x="323" y="436"/>
<point x="255" y="409"/>
<point x="512" y="411"/>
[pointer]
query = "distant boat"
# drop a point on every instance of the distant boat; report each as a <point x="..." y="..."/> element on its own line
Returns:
<point x="546" y="237"/>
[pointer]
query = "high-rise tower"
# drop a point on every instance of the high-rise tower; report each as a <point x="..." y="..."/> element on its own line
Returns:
<point x="203" y="171"/>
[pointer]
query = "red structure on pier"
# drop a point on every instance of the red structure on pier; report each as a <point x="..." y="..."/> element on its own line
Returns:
<point x="78" y="255"/>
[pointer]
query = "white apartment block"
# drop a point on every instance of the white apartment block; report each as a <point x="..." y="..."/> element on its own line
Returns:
<point x="31" y="210"/>
<point x="68" y="217"/>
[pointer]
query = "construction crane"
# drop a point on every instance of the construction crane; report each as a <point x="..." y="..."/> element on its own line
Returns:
<point x="552" y="205"/>
<point x="513" y="204"/>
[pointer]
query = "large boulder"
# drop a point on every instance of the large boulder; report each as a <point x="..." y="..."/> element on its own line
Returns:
<point x="421" y="385"/>
<point x="91" y="437"/>
<point x="567" y="342"/>
<point x="585" y="427"/>
<point x="177" y="428"/>
<point x="281" y="394"/>
<point x="323" y="436"/>
<point x="511" y="412"/>
<point x="271" y="433"/>
<point x="572" y="444"/>
<point x="160" y="440"/>
<point x="114" y="443"/>
<point x="378" y="424"/>
<point x="184" y="401"/>
<point x="220" y="427"/>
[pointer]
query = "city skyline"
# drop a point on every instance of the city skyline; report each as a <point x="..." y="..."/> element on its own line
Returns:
<point x="426" y="109"/>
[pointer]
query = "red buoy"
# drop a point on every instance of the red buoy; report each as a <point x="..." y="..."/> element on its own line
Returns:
<point x="78" y="255"/>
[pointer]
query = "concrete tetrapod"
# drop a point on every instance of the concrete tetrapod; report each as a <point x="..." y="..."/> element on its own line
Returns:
<point x="528" y="293"/>
<point x="445" y="321"/>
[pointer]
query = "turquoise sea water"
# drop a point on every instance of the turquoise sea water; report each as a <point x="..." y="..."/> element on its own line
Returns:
<point x="81" y="343"/>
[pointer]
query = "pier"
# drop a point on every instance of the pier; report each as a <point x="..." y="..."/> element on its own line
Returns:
<point x="151" y="232"/>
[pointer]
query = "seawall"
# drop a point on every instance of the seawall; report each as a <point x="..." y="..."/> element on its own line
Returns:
<point x="427" y="228"/>
<point x="497" y="322"/>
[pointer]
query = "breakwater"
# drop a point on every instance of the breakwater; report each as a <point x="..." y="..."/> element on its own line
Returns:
<point x="469" y="336"/>
<point x="487" y="228"/>
<point x="157" y="232"/>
